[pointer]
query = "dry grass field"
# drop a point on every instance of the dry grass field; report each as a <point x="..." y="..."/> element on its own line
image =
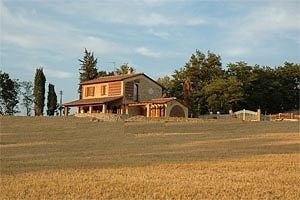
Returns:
<point x="71" y="158"/>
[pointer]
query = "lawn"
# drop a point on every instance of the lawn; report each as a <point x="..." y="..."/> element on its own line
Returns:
<point x="75" y="158"/>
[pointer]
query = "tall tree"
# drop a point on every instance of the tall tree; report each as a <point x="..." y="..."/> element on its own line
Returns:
<point x="28" y="97"/>
<point x="39" y="91"/>
<point x="289" y="78"/>
<point x="88" y="68"/>
<point x="9" y="90"/>
<point x="245" y="75"/>
<point x="187" y="83"/>
<point x="167" y="84"/>
<point x="123" y="69"/>
<point x="52" y="100"/>
<point x="223" y="94"/>
<point x="198" y="72"/>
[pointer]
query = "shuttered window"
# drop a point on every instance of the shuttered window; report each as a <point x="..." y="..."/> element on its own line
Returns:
<point x="103" y="90"/>
<point x="89" y="91"/>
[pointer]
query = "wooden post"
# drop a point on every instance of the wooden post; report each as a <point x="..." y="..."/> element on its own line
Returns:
<point x="78" y="110"/>
<point x="162" y="111"/>
<point x="244" y="114"/>
<point x="104" y="108"/>
<point x="122" y="110"/>
<point x="148" y="110"/>
<point x="258" y="114"/>
<point x="66" y="111"/>
<point x="90" y="109"/>
<point x="165" y="108"/>
<point x="159" y="111"/>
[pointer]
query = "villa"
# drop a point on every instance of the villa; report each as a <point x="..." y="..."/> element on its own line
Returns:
<point x="129" y="94"/>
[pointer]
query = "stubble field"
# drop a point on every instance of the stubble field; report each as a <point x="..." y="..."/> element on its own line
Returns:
<point x="71" y="158"/>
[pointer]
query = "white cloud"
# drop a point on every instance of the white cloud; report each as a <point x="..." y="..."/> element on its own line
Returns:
<point x="266" y="22"/>
<point x="99" y="45"/>
<point x="23" y="41"/>
<point x="235" y="52"/>
<point x="196" y="21"/>
<point x="28" y="31"/>
<point x="57" y="74"/>
<point x="154" y="19"/>
<point x="259" y="27"/>
<point x="128" y="13"/>
<point x="160" y="34"/>
<point x="147" y="52"/>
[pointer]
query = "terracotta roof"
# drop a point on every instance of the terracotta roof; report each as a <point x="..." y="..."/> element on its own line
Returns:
<point x="111" y="78"/>
<point x="81" y="102"/>
<point x="105" y="79"/>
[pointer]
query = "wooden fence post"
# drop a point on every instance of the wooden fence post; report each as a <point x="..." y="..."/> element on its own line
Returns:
<point x="258" y="115"/>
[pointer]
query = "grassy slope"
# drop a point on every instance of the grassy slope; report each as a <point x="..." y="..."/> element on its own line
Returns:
<point x="79" y="150"/>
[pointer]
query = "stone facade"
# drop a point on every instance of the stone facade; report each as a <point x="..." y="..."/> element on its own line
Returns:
<point x="175" y="105"/>
<point x="147" y="89"/>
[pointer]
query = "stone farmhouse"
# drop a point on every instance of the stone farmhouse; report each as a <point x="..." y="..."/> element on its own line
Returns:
<point x="129" y="94"/>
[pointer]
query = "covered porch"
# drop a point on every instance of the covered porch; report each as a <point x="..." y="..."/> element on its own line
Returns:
<point x="99" y="105"/>
<point x="161" y="107"/>
<point x="147" y="109"/>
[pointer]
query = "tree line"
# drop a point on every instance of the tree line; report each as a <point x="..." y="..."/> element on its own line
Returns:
<point x="205" y="86"/>
<point x="33" y="95"/>
<point x="202" y="84"/>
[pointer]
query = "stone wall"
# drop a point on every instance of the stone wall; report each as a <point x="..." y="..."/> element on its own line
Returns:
<point x="103" y="117"/>
<point x="173" y="103"/>
<point x="147" y="88"/>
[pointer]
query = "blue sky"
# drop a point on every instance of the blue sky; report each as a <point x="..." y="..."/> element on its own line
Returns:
<point x="153" y="36"/>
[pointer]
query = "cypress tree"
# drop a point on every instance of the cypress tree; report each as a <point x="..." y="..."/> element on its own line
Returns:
<point x="88" y="68"/>
<point x="52" y="100"/>
<point x="39" y="91"/>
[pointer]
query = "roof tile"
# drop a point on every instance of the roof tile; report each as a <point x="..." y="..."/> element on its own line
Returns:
<point x="82" y="102"/>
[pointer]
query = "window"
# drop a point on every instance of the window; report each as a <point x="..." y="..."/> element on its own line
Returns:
<point x="89" y="91"/>
<point x="103" y="90"/>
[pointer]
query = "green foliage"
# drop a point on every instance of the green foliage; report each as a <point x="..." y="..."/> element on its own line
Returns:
<point x="204" y="86"/>
<point x="187" y="83"/>
<point x="88" y="68"/>
<point x="167" y="85"/>
<point x="39" y="92"/>
<point x="289" y="78"/>
<point x="103" y="73"/>
<point x="9" y="90"/>
<point x="123" y="69"/>
<point x="52" y="100"/>
<point x="223" y="94"/>
<point x="28" y="97"/>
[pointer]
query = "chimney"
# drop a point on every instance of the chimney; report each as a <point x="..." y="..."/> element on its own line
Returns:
<point x="130" y="70"/>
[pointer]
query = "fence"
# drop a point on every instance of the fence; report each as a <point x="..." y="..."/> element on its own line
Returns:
<point x="285" y="116"/>
<point x="248" y="115"/>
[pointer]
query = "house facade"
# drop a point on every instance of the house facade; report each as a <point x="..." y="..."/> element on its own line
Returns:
<point x="131" y="94"/>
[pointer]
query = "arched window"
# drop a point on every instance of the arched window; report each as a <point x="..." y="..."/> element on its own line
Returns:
<point x="135" y="92"/>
